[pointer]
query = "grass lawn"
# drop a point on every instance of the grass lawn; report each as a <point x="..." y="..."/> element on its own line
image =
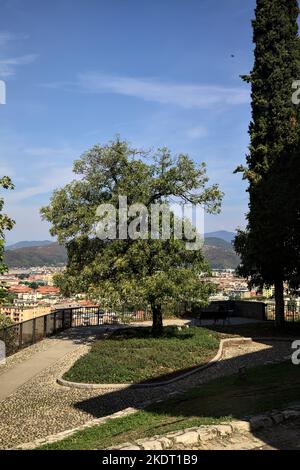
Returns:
<point x="264" y="388"/>
<point x="133" y="355"/>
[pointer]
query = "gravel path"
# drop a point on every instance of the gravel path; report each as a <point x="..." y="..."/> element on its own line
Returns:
<point x="41" y="407"/>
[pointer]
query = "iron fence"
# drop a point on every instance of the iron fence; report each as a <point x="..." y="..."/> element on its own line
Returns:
<point x="29" y="332"/>
<point x="292" y="315"/>
<point x="94" y="316"/>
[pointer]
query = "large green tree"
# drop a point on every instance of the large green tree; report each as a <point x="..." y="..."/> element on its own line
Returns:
<point x="125" y="271"/>
<point x="6" y="223"/>
<point x="267" y="249"/>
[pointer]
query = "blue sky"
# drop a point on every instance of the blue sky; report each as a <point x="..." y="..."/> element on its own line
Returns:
<point x="157" y="72"/>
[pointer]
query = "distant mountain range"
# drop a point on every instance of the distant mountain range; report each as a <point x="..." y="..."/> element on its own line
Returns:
<point x="26" y="244"/>
<point x="218" y="251"/>
<point x="51" y="254"/>
<point x="223" y="234"/>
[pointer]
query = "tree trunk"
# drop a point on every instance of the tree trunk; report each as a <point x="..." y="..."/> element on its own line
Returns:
<point x="279" y="304"/>
<point x="157" y="321"/>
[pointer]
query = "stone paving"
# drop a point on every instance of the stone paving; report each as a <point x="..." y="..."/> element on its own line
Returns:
<point x="41" y="407"/>
<point x="283" y="436"/>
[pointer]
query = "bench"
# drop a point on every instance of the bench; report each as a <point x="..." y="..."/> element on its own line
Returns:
<point x="216" y="315"/>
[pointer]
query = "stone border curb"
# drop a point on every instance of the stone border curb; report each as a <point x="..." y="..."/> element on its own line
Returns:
<point x="199" y="435"/>
<point x="223" y="343"/>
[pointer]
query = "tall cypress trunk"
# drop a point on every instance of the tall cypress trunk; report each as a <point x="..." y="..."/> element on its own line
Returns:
<point x="157" y="321"/>
<point x="279" y="304"/>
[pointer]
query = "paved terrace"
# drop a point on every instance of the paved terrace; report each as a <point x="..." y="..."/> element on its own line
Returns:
<point x="28" y="363"/>
<point x="34" y="406"/>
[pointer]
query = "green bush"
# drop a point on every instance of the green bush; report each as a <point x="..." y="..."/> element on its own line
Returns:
<point x="8" y="335"/>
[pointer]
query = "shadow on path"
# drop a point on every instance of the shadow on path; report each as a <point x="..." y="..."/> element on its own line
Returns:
<point x="232" y="395"/>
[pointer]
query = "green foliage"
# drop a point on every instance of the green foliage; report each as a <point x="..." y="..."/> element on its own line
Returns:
<point x="33" y="285"/>
<point x="267" y="248"/>
<point x="22" y="276"/>
<point x="8" y="335"/>
<point x="6" y="223"/>
<point x="5" y="321"/>
<point x="126" y="271"/>
<point x="9" y="297"/>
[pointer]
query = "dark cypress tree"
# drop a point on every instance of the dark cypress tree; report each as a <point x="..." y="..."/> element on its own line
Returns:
<point x="266" y="248"/>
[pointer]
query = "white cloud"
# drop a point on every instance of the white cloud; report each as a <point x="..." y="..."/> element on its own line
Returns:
<point x="6" y="170"/>
<point x="183" y="95"/>
<point x="5" y="37"/>
<point x="197" y="132"/>
<point x="36" y="172"/>
<point x="55" y="178"/>
<point x="8" y="65"/>
<point x="51" y="153"/>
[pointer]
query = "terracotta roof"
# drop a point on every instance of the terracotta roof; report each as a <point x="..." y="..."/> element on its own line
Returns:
<point x="21" y="289"/>
<point x="48" y="290"/>
<point x="87" y="303"/>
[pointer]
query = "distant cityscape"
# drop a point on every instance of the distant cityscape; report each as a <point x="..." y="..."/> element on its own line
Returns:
<point x="32" y="292"/>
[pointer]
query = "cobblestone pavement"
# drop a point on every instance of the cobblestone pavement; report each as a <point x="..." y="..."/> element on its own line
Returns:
<point x="41" y="407"/>
<point x="283" y="437"/>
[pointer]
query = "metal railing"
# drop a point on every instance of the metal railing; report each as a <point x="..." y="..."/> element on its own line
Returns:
<point x="27" y="333"/>
<point x="94" y="316"/>
<point x="292" y="315"/>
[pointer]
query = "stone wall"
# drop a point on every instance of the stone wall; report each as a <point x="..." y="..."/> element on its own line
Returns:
<point x="238" y="308"/>
<point x="248" y="309"/>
